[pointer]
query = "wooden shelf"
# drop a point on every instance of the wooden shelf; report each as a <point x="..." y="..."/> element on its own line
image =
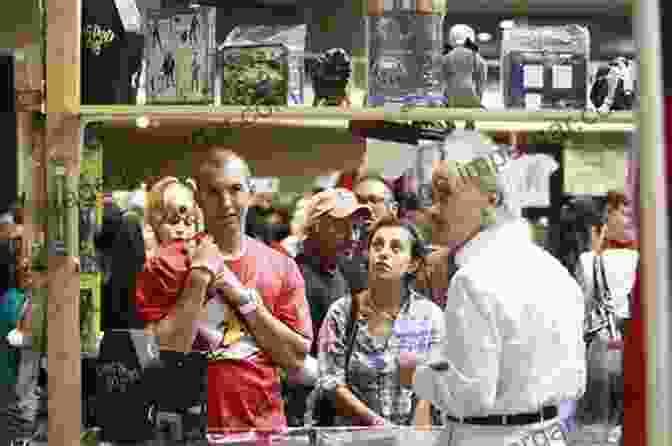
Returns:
<point x="334" y="117"/>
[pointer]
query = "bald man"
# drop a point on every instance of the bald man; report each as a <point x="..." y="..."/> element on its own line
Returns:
<point x="263" y="286"/>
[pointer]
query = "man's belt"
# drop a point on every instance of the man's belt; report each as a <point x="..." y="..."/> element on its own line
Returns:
<point x="521" y="419"/>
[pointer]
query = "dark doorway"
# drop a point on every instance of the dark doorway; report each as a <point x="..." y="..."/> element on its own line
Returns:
<point x="8" y="148"/>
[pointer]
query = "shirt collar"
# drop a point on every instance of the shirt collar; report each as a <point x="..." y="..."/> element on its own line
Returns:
<point x="620" y="244"/>
<point x="512" y="232"/>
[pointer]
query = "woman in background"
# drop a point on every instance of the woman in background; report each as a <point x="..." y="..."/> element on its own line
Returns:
<point x="393" y="326"/>
<point x="601" y="271"/>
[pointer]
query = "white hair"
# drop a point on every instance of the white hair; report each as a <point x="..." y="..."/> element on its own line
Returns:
<point x="519" y="181"/>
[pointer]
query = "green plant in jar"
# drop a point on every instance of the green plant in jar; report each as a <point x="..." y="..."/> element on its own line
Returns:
<point x="254" y="76"/>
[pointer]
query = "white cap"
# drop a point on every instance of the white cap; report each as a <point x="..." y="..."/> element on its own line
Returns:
<point x="459" y="34"/>
<point x="137" y="200"/>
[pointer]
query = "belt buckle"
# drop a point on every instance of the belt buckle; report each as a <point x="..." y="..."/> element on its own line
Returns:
<point x="505" y="420"/>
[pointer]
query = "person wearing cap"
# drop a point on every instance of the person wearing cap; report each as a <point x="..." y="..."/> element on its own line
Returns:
<point x="330" y="220"/>
<point x="464" y="69"/>
<point x="514" y="347"/>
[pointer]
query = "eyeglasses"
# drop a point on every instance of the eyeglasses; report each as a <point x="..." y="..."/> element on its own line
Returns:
<point x="187" y="220"/>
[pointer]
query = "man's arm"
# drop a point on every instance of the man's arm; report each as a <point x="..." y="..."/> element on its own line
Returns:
<point x="462" y="378"/>
<point x="286" y="335"/>
<point x="287" y="348"/>
<point x="423" y="414"/>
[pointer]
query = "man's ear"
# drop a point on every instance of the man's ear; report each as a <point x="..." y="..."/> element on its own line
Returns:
<point x="394" y="208"/>
<point x="414" y="266"/>
<point x="494" y="198"/>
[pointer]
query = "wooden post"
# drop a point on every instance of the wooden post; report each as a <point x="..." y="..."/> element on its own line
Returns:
<point x="360" y="55"/>
<point x="28" y="80"/>
<point x="63" y="140"/>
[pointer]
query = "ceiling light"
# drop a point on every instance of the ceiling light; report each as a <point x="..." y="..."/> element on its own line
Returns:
<point x="507" y="24"/>
<point x="194" y="5"/>
<point x="142" y="122"/>
<point x="484" y="37"/>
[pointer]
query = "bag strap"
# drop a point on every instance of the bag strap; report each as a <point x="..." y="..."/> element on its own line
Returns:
<point x="351" y="334"/>
<point x="599" y="290"/>
<point x="604" y="277"/>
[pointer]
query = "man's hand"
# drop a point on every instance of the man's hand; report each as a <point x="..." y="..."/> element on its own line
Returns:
<point x="423" y="415"/>
<point x="227" y="283"/>
<point x="202" y="250"/>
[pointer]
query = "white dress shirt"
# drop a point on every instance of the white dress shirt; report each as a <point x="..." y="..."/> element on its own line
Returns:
<point x="514" y="323"/>
<point x="620" y="267"/>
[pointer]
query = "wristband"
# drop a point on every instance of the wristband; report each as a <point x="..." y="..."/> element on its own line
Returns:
<point x="247" y="309"/>
<point x="248" y="302"/>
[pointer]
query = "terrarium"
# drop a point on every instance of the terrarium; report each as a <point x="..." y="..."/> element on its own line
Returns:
<point x="261" y="65"/>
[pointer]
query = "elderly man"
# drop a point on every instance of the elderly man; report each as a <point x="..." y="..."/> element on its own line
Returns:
<point x="514" y="348"/>
<point x="261" y="285"/>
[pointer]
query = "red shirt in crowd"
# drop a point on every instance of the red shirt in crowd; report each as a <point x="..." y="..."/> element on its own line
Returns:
<point x="246" y="394"/>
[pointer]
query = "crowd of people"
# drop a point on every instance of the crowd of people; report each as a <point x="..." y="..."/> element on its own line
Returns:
<point x="343" y="312"/>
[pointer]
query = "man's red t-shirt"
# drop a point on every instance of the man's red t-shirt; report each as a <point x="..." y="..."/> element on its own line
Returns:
<point x="246" y="394"/>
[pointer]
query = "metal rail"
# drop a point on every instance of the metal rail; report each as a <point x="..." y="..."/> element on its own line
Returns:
<point x="655" y="242"/>
<point x="336" y="117"/>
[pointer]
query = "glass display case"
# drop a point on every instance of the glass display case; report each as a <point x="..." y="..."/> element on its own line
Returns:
<point x="261" y="64"/>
